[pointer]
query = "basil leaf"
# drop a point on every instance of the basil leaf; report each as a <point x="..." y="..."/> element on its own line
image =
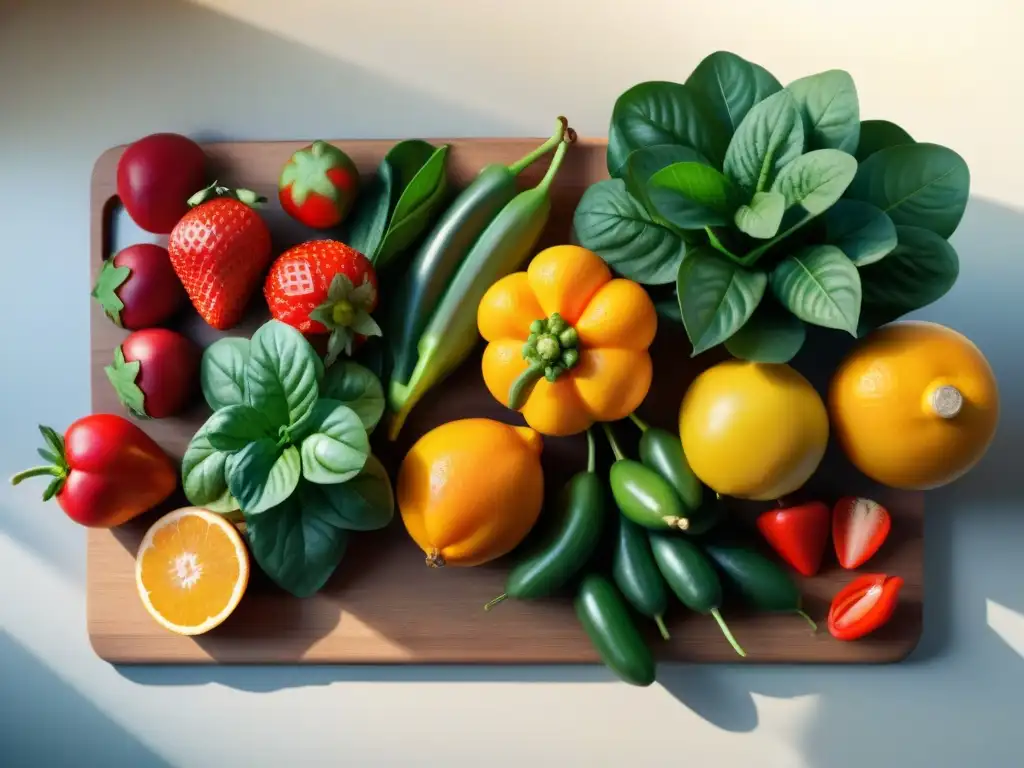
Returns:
<point x="693" y="195"/>
<point x="820" y="286"/>
<point x="356" y="386"/>
<point x="222" y="372"/>
<point x="364" y="503"/>
<point x="772" y="335"/>
<point x="235" y="426"/>
<point x="615" y="226"/>
<point x="830" y="109"/>
<point x="281" y="375"/>
<point x="816" y="180"/>
<point x="294" y="546"/>
<point x="762" y="216"/>
<point x="203" y="476"/>
<point x="716" y="297"/>
<point x="658" y="112"/>
<point x="879" y="134"/>
<point x="732" y="85"/>
<point x="647" y="161"/>
<point x="918" y="185"/>
<point x="770" y="137"/>
<point x="336" y="447"/>
<point x="860" y="230"/>
<point x="262" y="475"/>
<point x="419" y="200"/>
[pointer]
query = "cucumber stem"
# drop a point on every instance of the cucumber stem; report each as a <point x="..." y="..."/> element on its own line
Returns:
<point x="556" y="161"/>
<point x="530" y="158"/>
<point x="661" y="627"/>
<point x="641" y="424"/>
<point x="591" y="452"/>
<point x="728" y="635"/>
<point x="810" y="621"/>
<point x="495" y="601"/>
<point x="619" y="456"/>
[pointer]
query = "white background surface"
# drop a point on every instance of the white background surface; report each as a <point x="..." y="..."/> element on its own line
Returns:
<point x="78" y="77"/>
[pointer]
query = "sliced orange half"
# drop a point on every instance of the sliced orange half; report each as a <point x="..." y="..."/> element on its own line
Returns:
<point x="191" y="570"/>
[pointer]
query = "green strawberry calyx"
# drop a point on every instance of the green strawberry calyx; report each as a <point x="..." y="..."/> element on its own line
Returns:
<point x="57" y="469"/>
<point x="346" y="314"/>
<point x="108" y="281"/>
<point x="215" y="190"/>
<point x="306" y="172"/>
<point x="122" y="376"/>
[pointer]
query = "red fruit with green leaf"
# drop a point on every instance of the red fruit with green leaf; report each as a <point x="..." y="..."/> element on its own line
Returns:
<point x="324" y="286"/>
<point x="155" y="372"/>
<point x="138" y="288"/>
<point x="318" y="185"/>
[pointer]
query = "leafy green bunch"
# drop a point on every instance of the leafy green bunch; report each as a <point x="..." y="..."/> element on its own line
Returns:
<point x="772" y="207"/>
<point x="288" y="445"/>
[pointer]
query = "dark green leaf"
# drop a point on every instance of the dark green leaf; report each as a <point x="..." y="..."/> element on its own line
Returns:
<point x="772" y="335"/>
<point x="918" y="185"/>
<point x="860" y="230"/>
<point x="281" y="375"/>
<point x="294" y="546"/>
<point x="222" y="372"/>
<point x="364" y="503"/>
<point x="647" y="161"/>
<point x="830" y="109"/>
<point x="816" y="180"/>
<point x="203" y="475"/>
<point x="693" y="195"/>
<point x="233" y="427"/>
<point x="262" y="475"/>
<point x="879" y="134"/>
<point x="612" y="224"/>
<point x="418" y="203"/>
<point x="732" y="85"/>
<point x="762" y="216"/>
<point x="336" y="445"/>
<point x="716" y="297"/>
<point x="357" y="387"/>
<point x="820" y="286"/>
<point x="662" y="113"/>
<point x="669" y="309"/>
<point x="770" y="137"/>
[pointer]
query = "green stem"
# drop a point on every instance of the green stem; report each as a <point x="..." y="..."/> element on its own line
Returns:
<point x="619" y="455"/>
<point x="810" y="621"/>
<point x="725" y="631"/>
<point x="591" y="452"/>
<point x="529" y="159"/>
<point x="556" y="161"/>
<point x="639" y="422"/>
<point x="495" y="601"/>
<point x="50" y="470"/>
<point x="521" y="388"/>
<point x="661" y="627"/>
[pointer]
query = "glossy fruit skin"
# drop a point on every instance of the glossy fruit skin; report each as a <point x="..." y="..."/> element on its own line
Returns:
<point x="687" y="571"/>
<point x="760" y="582"/>
<point x="661" y="451"/>
<point x="150" y="292"/>
<point x="318" y="185"/>
<point x="168" y="371"/>
<point x="155" y="177"/>
<point x="643" y="496"/>
<point x="219" y="251"/>
<point x="877" y="616"/>
<point x="636" y="574"/>
<point x="754" y="431"/>
<point x="880" y="403"/>
<point x="470" y="490"/>
<point x="605" y="618"/>
<point x="799" y="534"/>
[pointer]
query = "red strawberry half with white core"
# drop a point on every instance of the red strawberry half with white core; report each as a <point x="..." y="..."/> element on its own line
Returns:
<point x="859" y="528"/>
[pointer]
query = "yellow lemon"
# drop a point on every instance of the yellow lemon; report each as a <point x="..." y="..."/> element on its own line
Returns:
<point x="753" y="430"/>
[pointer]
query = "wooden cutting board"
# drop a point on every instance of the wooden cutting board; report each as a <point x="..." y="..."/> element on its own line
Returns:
<point x="383" y="605"/>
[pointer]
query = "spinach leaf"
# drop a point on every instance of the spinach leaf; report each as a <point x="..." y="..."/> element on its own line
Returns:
<point x="294" y="546"/>
<point x="820" y="286"/>
<point x="357" y="387"/>
<point x="262" y="475"/>
<point x="879" y="134"/>
<point x="770" y="137"/>
<point x="222" y="372"/>
<point x="772" y="335"/>
<point x="732" y="85"/>
<point x="281" y="375"/>
<point x="816" y="180"/>
<point x="860" y="230"/>
<point x="235" y="426"/>
<point x="716" y="297"/>
<point x="364" y="503"/>
<point x="365" y="226"/>
<point x="615" y="226"/>
<point x="830" y="109"/>
<point x="336" y="447"/>
<point x="762" y="216"/>
<point x="203" y="475"/>
<point x="659" y="112"/>
<point x="647" y="161"/>
<point x="419" y="200"/>
<point x="918" y="185"/>
<point x="693" y="195"/>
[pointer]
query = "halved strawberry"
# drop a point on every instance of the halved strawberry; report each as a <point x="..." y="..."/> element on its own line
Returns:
<point x="859" y="528"/>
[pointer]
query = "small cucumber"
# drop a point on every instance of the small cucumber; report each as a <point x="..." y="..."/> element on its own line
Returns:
<point x="763" y="584"/>
<point x="641" y="494"/>
<point x="692" y="578"/>
<point x="663" y="452"/>
<point x="605" y="617"/>
<point x="637" y="575"/>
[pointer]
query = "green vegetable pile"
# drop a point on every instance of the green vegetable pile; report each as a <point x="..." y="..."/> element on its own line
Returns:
<point x="771" y="207"/>
<point x="288" y="446"/>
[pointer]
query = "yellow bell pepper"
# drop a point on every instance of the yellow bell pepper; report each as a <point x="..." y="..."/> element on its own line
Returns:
<point x="567" y="341"/>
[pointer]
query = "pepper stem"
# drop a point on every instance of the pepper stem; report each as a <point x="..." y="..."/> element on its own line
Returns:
<point x="641" y="424"/>
<point x="530" y="158"/>
<point x="728" y="635"/>
<point x="661" y="627"/>
<point x="521" y="388"/>
<point x="50" y="470"/>
<point x="619" y="455"/>
<point x="810" y="621"/>
<point x="495" y="601"/>
<point x="591" y="452"/>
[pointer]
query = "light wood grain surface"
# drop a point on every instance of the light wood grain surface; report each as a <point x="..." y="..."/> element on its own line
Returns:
<point x="383" y="605"/>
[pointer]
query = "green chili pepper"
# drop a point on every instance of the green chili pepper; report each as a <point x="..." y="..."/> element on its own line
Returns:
<point x="637" y="575"/>
<point x="641" y="494"/>
<point x="663" y="452"/>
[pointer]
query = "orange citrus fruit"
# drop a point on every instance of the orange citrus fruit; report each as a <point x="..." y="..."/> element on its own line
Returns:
<point x="191" y="570"/>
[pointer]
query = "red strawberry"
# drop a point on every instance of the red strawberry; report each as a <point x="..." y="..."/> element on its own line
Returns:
<point x="859" y="528"/>
<point x="323" y="286"/>
<point x="318" y="185"/>
<point x="219" y="250"/>
<point x="799" y="534"/>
